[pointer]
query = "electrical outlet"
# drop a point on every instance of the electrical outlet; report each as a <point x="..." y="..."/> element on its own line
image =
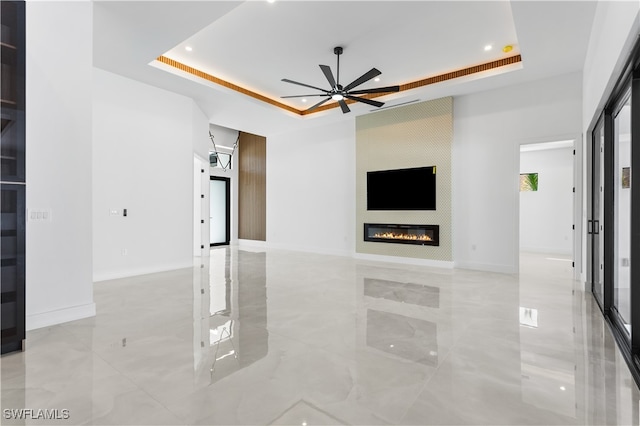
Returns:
<point x="113" y="212"/>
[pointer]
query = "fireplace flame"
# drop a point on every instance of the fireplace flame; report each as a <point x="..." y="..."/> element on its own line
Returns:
<point x="395" y="236"/>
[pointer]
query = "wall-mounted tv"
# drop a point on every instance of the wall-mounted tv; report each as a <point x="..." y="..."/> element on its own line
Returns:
<point x="402" y="189"/>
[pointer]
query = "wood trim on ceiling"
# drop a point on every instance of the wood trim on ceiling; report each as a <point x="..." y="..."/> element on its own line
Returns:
<point x="224" y="83"/>
<point x="403" y="87"/>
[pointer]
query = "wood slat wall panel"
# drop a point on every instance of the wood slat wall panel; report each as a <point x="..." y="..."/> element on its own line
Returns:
<point x="252" y="190"/>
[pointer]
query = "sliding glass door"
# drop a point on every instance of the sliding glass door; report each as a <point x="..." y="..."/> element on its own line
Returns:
<point x="595" y="208"/>
<point x="622" y="212"/>
<point x="613" y="208"/>
<point x="609" y="208"/>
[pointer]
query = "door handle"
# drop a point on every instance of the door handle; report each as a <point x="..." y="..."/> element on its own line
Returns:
<point x="596" y="227"/>
<point x="589" y="227"/>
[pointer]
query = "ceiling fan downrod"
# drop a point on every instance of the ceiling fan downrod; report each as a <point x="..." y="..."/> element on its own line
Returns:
<point x="338" y="51"/>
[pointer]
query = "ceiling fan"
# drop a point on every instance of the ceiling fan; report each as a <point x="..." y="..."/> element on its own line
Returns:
<point x="340" y="93"/>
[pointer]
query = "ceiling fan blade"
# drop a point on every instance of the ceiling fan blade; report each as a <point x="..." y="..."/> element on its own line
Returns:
<point x="344" y="106"/>
<point x="286" y="80"/>
<point x="304" y="96"/>
<point x="376" y="90"/>
<point x="365" y="100"/>
<point x="318" y="104"/>
<point x="363" y="78"/>
<point x="327" y="73"/>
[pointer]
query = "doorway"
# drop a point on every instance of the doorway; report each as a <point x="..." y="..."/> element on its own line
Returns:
<point x="219" y="211"/>
<point x="547" y="235"/>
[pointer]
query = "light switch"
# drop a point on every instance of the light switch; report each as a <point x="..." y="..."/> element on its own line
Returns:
<point x="39" y="215"/>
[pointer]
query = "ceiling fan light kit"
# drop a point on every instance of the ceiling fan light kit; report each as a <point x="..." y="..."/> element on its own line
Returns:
<point x="338" y="92"/>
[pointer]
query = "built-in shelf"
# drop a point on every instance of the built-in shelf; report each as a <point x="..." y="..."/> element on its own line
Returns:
<point x="12" y="202"/>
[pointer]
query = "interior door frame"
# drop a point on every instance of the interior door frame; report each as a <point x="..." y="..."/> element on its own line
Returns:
<point x="227" y="192"/>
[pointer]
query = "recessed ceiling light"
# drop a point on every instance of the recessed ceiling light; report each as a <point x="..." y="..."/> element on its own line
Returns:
<point x="563" y="388"/>
<point x="271" y="1"/>
<point x="376" y="79"/>
<point x="488" y="47"/>
<point x="304" y="100"/>
<point x="188" y="48"/>
<point x="508" y="48"/>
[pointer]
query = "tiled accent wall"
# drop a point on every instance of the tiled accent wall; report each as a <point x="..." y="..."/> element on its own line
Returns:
<point x="411" y="136"/>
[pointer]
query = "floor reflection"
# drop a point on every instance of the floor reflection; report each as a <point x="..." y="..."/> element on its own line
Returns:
<point x="401" y="318"/>
<point x="279" y="337"/>
<point x="548" y="366"/>
<point x="236" y="315"/>
<point x="416" y="294"/>
<point x="409" y="338"/>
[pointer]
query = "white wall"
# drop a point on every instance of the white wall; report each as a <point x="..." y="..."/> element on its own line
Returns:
<point x="59" y="284"/>
<point x="546" y="215"/>
<point x="311" y="189"/>
<point x="143" y="155"/>
<point x="615" y="29"/>
<point x="488" y="129"/>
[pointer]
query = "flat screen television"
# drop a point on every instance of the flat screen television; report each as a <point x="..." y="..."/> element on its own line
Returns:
<point x="402" y="189"/>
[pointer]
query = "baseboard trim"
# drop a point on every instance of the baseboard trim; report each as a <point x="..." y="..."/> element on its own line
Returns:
<point x="487" y="267"/>
<point x="59" y="316"/>
<point x="252" y="243"/>
<point x="315" y="250"/>
<point x="404" y="260"/>
<point x="546" y="250"/>
<point x="476" y="266"/>
<point x="106" y="276"/>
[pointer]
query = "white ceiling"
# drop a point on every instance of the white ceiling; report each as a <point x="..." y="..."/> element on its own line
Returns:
<point x="255" y="44"/>
<point x="407" y="41"/>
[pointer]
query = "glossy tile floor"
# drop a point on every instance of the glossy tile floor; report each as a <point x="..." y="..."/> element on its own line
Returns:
<point x="277" y="337"/>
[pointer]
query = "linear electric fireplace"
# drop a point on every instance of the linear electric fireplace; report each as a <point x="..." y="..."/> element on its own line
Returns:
<point x="422" y="235"/>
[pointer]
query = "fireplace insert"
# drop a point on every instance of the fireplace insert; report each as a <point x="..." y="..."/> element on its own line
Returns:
<point x="422" y="235"/>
